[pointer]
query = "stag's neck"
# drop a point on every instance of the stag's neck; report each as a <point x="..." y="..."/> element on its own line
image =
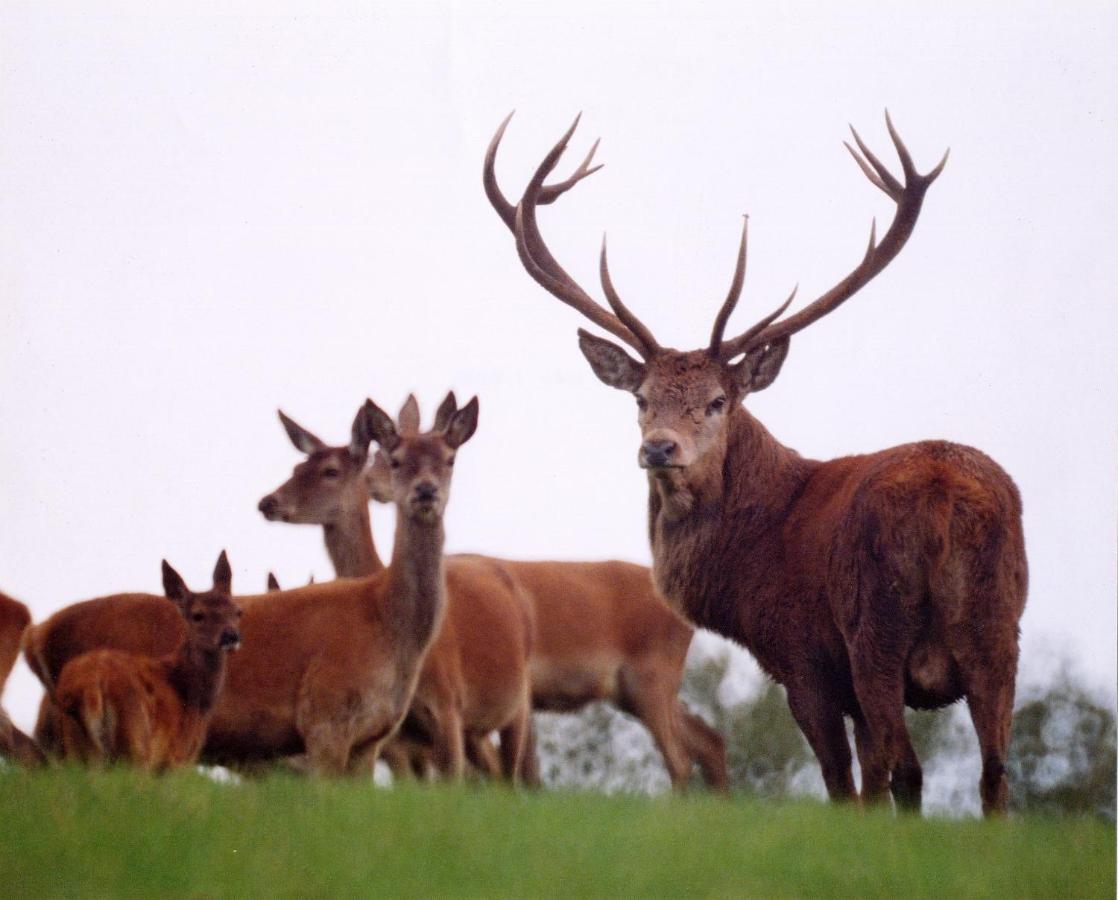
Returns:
<point x="197" y="676"/>
<point x="416" y="589"/>
<point x="349" y="541"/>
<point x="716" y="527"/>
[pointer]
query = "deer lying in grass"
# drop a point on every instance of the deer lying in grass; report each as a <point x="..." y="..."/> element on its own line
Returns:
<point x="861" y="584"/>
<point x="601" y="633"/>
<point x="14" y="619"/>
<point x="152" y="712"/>
<point x="327" y="670"/>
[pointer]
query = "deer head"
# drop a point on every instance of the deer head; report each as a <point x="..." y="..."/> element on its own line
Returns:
<point x="684" y="399"/>
<point x="419" y="465"/>
<point x="323" y="486"/>
<point x="211" y="616"/>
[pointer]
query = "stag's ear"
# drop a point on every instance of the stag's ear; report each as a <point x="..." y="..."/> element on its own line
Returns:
<point x="223" y="575"/>
<point x="408" y="420"/>
<point x="173" y="585"/>
<point x="359" y="436"/>
<point x="273" y="583"/>
<point x="446" y="409"/>
<point x="378" y="479"/>
<point x="303" y="440"/>
<point x="463" y="424"/>
<point x="380" y="426"/>
<point x="758" y="370"/>
<point x="610" y="363"/>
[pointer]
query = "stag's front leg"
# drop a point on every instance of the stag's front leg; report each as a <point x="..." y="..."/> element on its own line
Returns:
<point x="819" y="715"/>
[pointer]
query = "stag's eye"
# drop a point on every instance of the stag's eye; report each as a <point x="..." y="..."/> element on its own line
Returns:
<point x="330" y="473"/>
<point x="642" y="404"/>
<point x="198" y="616"/>
<point x="716" y="406"/>
<point x="450" y="462"/>
<point x="395" y="463"/>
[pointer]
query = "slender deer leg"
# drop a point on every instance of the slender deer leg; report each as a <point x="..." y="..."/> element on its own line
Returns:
<point x="820" y="719"/>
<point x="514" y="742"/>
<point x="646" y="696"/>
<point x="706" y="746"/>
<point x="450" y="751"/>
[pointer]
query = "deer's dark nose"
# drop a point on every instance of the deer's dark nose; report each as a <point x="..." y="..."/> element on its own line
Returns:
<point x="426" y="490"/>
<point x="267" y="506"/>
<point x="230" y="638"/>
<point x="658" y="453"/>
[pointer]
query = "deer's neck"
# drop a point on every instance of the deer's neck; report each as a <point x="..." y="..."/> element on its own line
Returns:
<point x="349" y="541"/>
<point x="416" y="585"/>
<point x="716" y="527"/>
<point x="197" y="676"/>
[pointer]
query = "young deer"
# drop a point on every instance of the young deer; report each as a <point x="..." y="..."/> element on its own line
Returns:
<point x="475" y="677"/>
<point x="14" y="619"/>
<point x="861" y="584"/>
<point x="601" y="632"/>
<point x="152" y="712"/>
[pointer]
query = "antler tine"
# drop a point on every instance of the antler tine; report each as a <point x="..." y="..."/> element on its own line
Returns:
<point x="738" y="346"/>
<point x="735" y="292"/>
<point x="533" y="252"/>
<point x="635" y="325"/>
<point x="909" y="198"/>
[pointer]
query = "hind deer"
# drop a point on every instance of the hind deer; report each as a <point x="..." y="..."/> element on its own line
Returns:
<point x="327" y="670"/>
<point x="601" y="633"/>
<point x="14" y="619"/>
<point x="860" y="584"/>
<point x="152" y="712"/>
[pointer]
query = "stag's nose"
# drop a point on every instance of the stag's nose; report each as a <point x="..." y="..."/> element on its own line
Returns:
<point x="426" y="490"/>
<point x="658" y="453"/>
<point x="230" y="638"/>
<point x="267" y="506"/>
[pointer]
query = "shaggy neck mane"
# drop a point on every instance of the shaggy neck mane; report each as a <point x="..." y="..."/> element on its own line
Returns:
<point x="718" y="525"/>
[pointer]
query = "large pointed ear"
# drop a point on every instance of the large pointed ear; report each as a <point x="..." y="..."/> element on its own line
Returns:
<point x="359" y="436"/>
<point x="173" y="585"/>
<point x="446" y="409"/>
<point x="378" y="479"/>
<point x="223" y="575"/>
<point x="759" y="369"/>
<point x="463" y="424"/>
<point x="408" y="419"/>
<point x="610" y="363"/>
<point x="303" y="440"/>
<point x="380" y="426"/>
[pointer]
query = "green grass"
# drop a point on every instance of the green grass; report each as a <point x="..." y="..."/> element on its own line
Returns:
<point x="72" y="833"/>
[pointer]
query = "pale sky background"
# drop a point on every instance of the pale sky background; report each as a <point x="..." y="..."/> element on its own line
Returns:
<point x="208" y="211"/>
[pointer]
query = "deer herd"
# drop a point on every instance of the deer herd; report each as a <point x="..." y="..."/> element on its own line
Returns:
<point x="862" y="585"/>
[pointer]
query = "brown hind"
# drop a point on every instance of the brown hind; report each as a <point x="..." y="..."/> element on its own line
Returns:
<point x="14" y="619"/>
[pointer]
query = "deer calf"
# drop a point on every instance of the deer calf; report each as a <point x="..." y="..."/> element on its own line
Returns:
<point x="152" y="712"/>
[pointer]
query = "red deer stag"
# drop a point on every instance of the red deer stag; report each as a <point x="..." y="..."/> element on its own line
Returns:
<point x="152" y="712"/>
<point x="329" y="669"/>
<point x="14" y="619"/>
<point x="860" y="584"/>
<point x="601" y="632"/>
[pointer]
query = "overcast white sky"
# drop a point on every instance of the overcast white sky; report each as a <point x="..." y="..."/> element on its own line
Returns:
<point x="209" y="213"/>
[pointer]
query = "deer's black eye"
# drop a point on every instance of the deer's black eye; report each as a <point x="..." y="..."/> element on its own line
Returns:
<point x="330" y="473"/>
<point x="198" y="616"/>
<point x="450" y="462"/>
<point x="642" y="404"/>
<point x="395" y="463"/>
<point x="716" y="406"/>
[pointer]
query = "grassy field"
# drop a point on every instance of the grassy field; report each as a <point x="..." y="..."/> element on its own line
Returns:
<point x="78" y="834"/>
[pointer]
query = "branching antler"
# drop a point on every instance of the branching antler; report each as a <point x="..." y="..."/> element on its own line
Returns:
<point x="909" y="198"/>
<point x="538" y="260"/>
